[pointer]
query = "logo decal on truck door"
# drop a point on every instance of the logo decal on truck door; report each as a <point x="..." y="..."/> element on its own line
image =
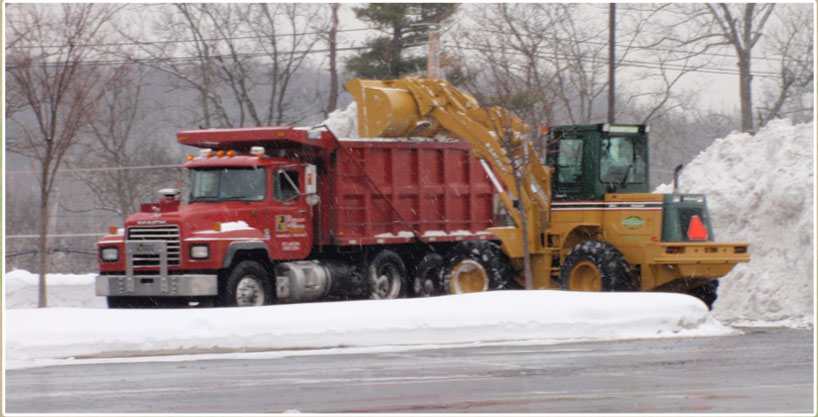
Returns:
<point x="291" y="246"/>
<point x="291" y="225"/>
<point x="281" y="223"/>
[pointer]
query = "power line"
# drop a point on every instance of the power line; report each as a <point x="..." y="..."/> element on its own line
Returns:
<point x="184" y="59"/>
<point x="483" y="48"/>
<point x="629" y="63"/>
<point x="618" y="45"/>
<point x="52" y="236"/>
<point x="163" y="42"/>
<point x="99" y="169"/>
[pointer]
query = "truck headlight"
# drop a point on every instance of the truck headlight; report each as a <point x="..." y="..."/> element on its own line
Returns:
<point x="109" y="254"/>
<point x="199" y="251"/>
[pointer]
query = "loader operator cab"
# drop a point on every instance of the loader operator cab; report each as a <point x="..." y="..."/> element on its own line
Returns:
<point x="593" y="160"/>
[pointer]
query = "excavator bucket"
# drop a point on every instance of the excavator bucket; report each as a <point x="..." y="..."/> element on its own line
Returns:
<point x="383" y="109"/>
<point x="400" y="108"/>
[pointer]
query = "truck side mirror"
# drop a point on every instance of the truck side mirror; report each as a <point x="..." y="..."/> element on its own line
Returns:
<point x="310" y="180"/>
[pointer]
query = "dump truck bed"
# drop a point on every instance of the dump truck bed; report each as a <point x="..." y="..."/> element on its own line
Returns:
<point x="393" y="191"/>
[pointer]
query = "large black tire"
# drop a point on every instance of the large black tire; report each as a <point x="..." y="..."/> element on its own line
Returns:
<point x="387" y="276"/>
<point x="594" y="265"/>
<point x="475" y="266"/>
<point x="426" y="278"/>
<point x="146" y="302"/>
<point x="247" y="285"/>
<point x="708" y="293"/>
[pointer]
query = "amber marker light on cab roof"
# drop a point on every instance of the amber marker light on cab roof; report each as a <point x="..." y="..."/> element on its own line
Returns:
<point x="230" y="153"/>
<point x="220" y="154"/>
<point x="190" y="157"/>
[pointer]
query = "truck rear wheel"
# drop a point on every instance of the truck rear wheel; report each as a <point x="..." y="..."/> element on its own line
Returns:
<point x="426" y="280"/>
<point x="247" y="285"/>
<point x="474" y="266"/>
<point x="594" y="265"/>
<point x="387" y="276"/>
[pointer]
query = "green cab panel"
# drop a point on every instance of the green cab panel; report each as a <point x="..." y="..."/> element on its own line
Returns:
<point x="590" y="161"/>
<point x="678" y="213"/>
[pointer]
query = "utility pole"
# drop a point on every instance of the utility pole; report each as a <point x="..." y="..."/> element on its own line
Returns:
<point x="433" y="59"/>
<point x="611" y="61"/>
<point x="333" y="67"/>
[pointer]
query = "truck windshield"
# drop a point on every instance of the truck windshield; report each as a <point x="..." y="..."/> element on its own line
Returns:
<point x="220" y="184"/>
<point x="621" y="160"/>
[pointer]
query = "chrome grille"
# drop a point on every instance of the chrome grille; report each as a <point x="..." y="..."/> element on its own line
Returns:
<point x="170" y="234"/>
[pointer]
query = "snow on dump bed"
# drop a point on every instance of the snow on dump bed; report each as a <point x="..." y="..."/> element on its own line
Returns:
<point x="344" y="123"/>
<point x="55" y="335"/>
<point x="760" y="190"/>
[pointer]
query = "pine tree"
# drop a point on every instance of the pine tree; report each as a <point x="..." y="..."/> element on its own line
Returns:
<point x="408" y="25"/>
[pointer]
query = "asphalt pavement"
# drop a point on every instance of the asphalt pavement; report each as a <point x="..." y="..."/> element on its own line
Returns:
<point x="766" y="370"/>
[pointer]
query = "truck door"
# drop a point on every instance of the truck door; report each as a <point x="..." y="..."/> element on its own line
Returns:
<point x="292" y="217"/>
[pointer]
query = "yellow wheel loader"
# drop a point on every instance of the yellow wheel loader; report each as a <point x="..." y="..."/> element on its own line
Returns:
<point x="584" y="215"/>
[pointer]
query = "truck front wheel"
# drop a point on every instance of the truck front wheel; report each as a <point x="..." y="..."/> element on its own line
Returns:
<point x="594" y="265"/>
<point x="387" y="276"/>
<point x="247" y="285"/>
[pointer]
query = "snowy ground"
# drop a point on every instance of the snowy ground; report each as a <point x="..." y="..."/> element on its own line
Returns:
<point x="63" y="335"/>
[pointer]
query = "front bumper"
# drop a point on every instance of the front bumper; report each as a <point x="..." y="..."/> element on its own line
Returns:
<point x="157" y="285"/>
<point x="682" y="266"/>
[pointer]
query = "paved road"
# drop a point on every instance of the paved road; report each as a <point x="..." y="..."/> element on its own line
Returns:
<point x="763" y="371"/>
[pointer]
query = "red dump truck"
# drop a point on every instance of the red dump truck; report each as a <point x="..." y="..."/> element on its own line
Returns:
<point x="285" y="214"/>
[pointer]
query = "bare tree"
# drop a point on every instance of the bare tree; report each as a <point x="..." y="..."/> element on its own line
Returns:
<point x="740" y="26"/>
<point x="52" y="90"/>
<point x="241" y="59"/>
<point x="287" y="53"/>
<point x="794" y="43"/>
<point x="116" y="142"/>
<point x="545" y="52"/>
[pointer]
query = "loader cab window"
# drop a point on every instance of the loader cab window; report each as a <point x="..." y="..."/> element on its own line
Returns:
<point x="621" y="160"/>
<point x="287" y="185"/>
<point x="225" y="184"/>
<point x="569" y="166"/>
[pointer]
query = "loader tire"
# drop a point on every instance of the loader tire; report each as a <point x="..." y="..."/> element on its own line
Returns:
<point x="475" y="266"/>
<point x="248" y="284"/>
<point x="387" y="276"/>
<point x="593" y="265"/>
<point x="426" y="279"/>
<point x="707" y="293"/>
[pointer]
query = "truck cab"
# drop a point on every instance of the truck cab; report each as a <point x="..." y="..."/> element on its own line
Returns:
<point x="243" y="204"/>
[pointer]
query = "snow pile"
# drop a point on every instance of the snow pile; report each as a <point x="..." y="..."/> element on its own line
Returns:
<point x="64" y="290"/>
<point x="344" y="123"/>
<point x="56" y="335"/>
<point x="760" y="190"/>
